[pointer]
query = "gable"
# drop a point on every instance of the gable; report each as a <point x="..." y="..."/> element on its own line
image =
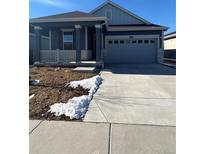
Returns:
<point x="119" y="16"/>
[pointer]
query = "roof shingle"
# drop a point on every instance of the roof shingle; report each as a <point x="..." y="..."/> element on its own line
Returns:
<point x="74" y="14"/>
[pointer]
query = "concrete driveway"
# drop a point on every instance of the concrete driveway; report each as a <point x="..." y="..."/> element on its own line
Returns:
<point x="135" y="94"/>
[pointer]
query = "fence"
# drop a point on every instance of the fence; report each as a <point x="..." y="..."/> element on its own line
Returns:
<point x="63" y="56"/>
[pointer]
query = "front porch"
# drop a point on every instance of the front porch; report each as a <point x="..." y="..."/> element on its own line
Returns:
<point x="70" y="44"/>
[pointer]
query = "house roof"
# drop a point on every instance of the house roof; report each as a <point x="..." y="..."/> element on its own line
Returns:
<point x="170" y="35"/>
<point x="121" y="8"/>
<point x="74" y="14"/>
<point x="69" y="16"/>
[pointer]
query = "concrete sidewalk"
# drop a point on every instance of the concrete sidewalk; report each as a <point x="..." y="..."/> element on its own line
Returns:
<point x="58" y="137"/>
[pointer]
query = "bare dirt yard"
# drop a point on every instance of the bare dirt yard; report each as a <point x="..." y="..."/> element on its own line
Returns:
<point x="51" y="89"/>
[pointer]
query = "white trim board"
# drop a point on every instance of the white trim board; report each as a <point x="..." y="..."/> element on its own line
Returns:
<point x="134" y="28"/>
<point x="121" y="8"/>
<point x="42" y="36"/>
<point x="68" y="19"/>
<point x="67" y="30"/>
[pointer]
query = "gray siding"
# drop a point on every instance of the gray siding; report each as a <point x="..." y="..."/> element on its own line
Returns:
<point x="82" y="38"/>
<point x="170" y="53"/>
<point x="56" y="39"/>
<point x="135" y="33"/>
<point x="118" y="16"/>
<point x="44" y="42"/>
<point x="44" y="46"/>
<point x="31" y="42"/>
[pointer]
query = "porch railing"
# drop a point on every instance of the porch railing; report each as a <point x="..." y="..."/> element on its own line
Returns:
<point x="63" y="56"/>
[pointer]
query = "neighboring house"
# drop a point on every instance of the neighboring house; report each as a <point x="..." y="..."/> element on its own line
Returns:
<point x="108" y="34"/>
<point x="44" y="42"/>
<point x="170" y="41"/>
<point x="170" y="48"/>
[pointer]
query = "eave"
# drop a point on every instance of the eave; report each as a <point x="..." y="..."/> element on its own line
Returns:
<point x="137" y="28"/>
<point x="67" y="19"/>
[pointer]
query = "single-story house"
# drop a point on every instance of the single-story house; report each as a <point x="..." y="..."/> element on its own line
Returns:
<point x="170" y="41"/>
<point x="170" y="47"/>
<point x="108" y="34"/>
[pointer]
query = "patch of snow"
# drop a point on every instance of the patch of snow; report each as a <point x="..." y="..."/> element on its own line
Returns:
<point x="31" y="96"/>
<point x="74" y="108"/>
<point x="77" y="106"/>
<point x="92" y="84"/>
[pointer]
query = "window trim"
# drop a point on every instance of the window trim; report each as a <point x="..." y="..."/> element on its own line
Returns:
<point x="122" y="41"/>
<point x="146" y="41"/>
<point x="108" y="10"/>
<point x="67" y="41"/>
<point x="152" y="41"/>
<point x="140" y="41"/>
<point x="110" y="41"/>
<point x="116" y="41"/>
<point x="134" y="41"/>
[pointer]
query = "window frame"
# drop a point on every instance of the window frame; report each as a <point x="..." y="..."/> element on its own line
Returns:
<point x="108" y="11"/>
<point x="122" y="42"/>
<point x="68" y="41"/>
<point x="116" y="41"/>
<point x="146" y="41"/>
<point x="134" y="41"/>
<point x="128" y="41"/>
<point x="110" y="41"/>
<point x="139" y="41"/>
<point x="152" y="41"/>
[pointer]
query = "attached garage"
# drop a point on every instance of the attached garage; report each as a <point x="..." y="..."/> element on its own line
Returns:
<point x="131" y="49"/>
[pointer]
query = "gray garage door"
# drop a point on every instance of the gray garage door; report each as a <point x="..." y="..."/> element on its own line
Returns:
<point x="134" y="50"/>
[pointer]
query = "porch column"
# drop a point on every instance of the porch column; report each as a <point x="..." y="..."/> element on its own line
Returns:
<point x="162" y="39"/>
<point x="86" y="38"/>
<point x="98" y="29"/>
<point x="37" y="45"/>
<point x="161" y="48"/>
<point x="77" y="42"/>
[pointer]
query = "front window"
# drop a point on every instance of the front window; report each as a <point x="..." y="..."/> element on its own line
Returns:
<point x="67" y="40"/>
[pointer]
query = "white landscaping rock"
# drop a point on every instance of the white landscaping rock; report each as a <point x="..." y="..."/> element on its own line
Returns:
<point x="31" y="96"/>
<point x="77" y="106"/>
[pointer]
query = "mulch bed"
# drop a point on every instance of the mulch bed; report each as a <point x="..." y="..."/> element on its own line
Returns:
<point x="51" y="90"/>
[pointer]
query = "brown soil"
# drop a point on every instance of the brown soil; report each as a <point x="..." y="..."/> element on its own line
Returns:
<point x="51" y="90"/>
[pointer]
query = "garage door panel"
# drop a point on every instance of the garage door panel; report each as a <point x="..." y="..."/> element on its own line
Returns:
<point x="131" y="51"/>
